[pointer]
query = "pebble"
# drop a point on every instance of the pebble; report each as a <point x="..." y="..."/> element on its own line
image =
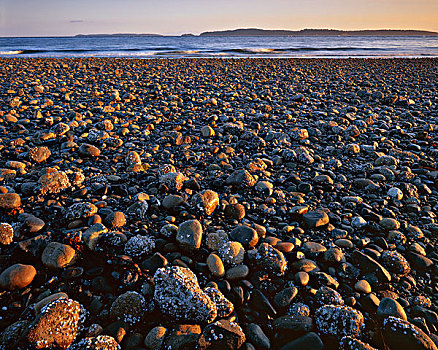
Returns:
<point x="313" y="183"/>
<point x="57" y="255"/>
<point x="189" y="234"/>
<point x="17" y="276"/>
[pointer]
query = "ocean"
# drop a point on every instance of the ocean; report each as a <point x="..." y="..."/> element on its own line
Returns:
<point x="177" y="47"/>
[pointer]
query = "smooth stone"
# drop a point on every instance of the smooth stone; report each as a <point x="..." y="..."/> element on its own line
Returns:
<point x="257" y="337"/>
<point x="215" y="265"/>
<point x="309" y="341"/>
<point x="17" y="276"/>
<point x="237" y="272"/>
<point x="245" y="235"/>
<point x="155" y="338"/>
<point x="362" y="286"/>
<point x="57" y="255"/>
<point x="302" y="278"/>
<point x="40" y="304"/>
<point x="390" y="307"/>
<point x="285" y="297"/>
<point x="189" y="234"/>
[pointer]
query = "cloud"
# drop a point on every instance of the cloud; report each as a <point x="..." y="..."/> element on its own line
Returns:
<point x="76" y="21"/>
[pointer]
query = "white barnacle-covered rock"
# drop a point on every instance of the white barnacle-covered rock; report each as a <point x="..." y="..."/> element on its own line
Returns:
<point x="178" y="295"/>
<point x="57" y="325"/>
<point x="139" y="245"/>
<point x="339" y="320"/>
<point x="223" y="305"/>
<point x="129" y="307"/>
<point x="401" y="334"/>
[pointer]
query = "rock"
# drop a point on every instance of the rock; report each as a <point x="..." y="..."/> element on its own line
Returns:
<point x="215" y="265"/>
<point x="11" y="335"/>
<point x="223" y="305"/>
<point x="235" y="211"/>
<point x="232" y="253"/>
<point x="47" y="300"/>
<point x="328" y="296"/>
<point x="222" y="334"/>
<point x="184" y="336"/>
<point x="173" y="181"/>
<point x="101" y="342"/>
<point x="270" y="260"/>
<point x="315" y="218"/>
<point x="395" y="262"/>
<point x="245" y="235"/>
<point x="390" y="307"/>
<point x="92" y="235"/>
<point x="256" y="336"/>
<point x="115" y="220"/>
<point x="339" y="320"/>
<point x="6" y="233"/>
<point x="369" y="265"/>
<point x="155" y="338"/>
<point x="87" y="150"/>
<point x="57" y="255"/>
<point x="237" y="272"/>
<point x="216" y="240"/>
<point x="17" y="276"/>
<point x="9" y="200"/>
<point x="56" y="326"/>
<point x="284" y="297"/>
<point x="207" y="131"/>
<point x="129" y="307"/>
<point x="178" y="295"/>
<point x="309" y="341"/>
<point x="389" y="224"/>
<point x="241" y="179"/>
<point x="139" y="245"/>
<point x="189" y="234"/>
<point x="362" y="286"/>
<point x="400" y="334"/>
<point x="350" y="343"/>
<point x="172" y="200"/>
<point x="80" y="211"/>
<point x="54" y="182"/>
<point x="39" y="154"/>
<point x="206" y="201"/>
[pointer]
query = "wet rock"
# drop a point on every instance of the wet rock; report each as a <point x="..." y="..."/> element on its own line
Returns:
<point x="310" y="341"/>
<point x="270" y="260"/>
<point x="241" y="179"/>
<point x="155" y="338"/>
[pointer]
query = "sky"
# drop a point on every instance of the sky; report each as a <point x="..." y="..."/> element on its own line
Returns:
<point x="174" y="17"/>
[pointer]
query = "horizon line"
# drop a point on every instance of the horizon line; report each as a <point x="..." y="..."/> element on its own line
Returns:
<point x="216" y="30"/>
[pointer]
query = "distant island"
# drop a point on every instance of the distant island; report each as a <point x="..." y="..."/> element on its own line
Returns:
<point x="268" y="32"/>
<point x="317" y="32"/>
<point x="115" y="35"/>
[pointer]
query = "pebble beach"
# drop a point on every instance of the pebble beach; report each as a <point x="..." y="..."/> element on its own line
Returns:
<point x="218" y="204"/>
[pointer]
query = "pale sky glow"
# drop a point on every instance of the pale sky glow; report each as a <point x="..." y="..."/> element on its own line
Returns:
<point x="71" y="17"/>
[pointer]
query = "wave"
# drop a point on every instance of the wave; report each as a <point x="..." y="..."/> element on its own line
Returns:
<point x="298" y="49"/>
<point x="12" y="52"/>
<point x="84" y="51"/>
